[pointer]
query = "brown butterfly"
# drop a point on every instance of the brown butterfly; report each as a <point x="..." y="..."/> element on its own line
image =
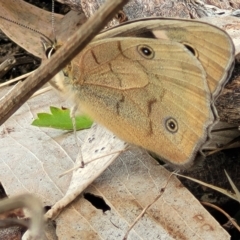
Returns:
<point x="153" y="83"/>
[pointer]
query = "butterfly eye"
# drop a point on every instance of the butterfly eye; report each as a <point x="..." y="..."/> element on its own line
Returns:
<point x="146" y="51"/>
<point x="171" y="125"/>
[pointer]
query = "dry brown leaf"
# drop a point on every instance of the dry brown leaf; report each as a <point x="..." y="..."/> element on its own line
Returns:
<point x="222" y="134"/>
<point x="127" y="186"/>
<point x="32" y="159"/>
<point x="35" y="18"/>
<point x="27" y="15"/>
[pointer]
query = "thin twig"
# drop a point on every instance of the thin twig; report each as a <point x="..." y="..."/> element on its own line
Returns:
<point x="146" y="208"/>
<point x="85" y="163"/>
<point x="61" y="58"/>
<point x="16" y="79"/>
<point x="232" y="220"/>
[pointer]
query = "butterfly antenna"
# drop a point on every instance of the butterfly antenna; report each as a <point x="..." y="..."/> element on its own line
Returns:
<point x="27" y="27"/>
<point x="53" y="21"/>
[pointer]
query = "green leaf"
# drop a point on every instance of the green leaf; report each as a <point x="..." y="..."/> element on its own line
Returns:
<point x="60" y="119"/>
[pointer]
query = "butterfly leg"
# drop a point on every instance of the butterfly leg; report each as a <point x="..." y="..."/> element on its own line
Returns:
<point x="73" y="111"/>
